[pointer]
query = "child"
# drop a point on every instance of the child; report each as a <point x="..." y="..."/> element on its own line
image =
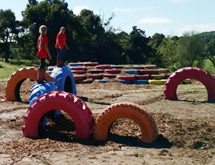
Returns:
<point x="60" y="45"/>
<point x="43" y="53"/>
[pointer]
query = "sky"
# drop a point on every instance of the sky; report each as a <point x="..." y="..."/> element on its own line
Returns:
<point x="168" y="17"/>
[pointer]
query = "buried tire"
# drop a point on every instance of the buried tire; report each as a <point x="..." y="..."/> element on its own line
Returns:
<point x="69" y="103"/>
<point x="17" y="78"/>
<point x="64" y="80"/>
<point x="189" y="73"/>
<point x="130" y="111"/>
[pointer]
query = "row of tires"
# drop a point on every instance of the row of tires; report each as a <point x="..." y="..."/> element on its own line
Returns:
<point x="66" y="82"/>
<point x="83" y="118"/>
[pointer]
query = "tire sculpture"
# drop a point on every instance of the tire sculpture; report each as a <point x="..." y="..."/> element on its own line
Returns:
<point x="130" y="111"/>
<point x="64" y="80"/>
<point x="12" y="89"/>
<point x="127" y="78"/>
<point x="189" y="73"/>
<point x="72" y="105"/>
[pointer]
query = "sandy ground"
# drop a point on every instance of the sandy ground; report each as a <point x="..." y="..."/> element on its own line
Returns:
<point x="186" y="129"/>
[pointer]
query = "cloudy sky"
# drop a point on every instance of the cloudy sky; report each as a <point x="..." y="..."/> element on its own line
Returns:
<point x="169" y="17"/>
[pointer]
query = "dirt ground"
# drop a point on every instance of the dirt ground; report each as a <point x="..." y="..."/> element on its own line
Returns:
<point x="186" y="129"/>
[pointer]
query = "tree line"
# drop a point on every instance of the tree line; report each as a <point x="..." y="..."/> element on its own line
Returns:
<point x="91" y="38"/>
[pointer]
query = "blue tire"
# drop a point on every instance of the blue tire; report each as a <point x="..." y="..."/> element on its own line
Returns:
<point x="37" y="91"/>
<point x="140" y="82"/>
<point x="64" y="80"/>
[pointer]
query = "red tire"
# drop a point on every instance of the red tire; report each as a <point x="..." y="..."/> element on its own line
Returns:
<point x="95" y="76"/>
<point x="78" y="68"/>
<point x="16" y="80"/>
<point x="142" y="77"/>
<point x="131" y="111"/>
<point x="74" y="106"/>
<point x="113" y="71"/>
<point x="79" y="77"/>
<point x="148" y="71"/>
<point x="103" y="67"/>
<point x="78" y="71"/>
<point x="90" y="63"/>
<point x="189" y="73"/>
<point x="127" y="78"/>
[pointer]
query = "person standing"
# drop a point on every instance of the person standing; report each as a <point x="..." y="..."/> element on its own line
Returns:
<point x="42" y="53"/>
<point x="60" y="46"/>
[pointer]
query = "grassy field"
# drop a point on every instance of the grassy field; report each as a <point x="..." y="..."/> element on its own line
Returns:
<point x="6" y="69"/>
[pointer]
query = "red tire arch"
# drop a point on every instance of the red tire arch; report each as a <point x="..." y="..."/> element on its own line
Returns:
<point x="192" y="73"/>
<point x="74" y="106"/>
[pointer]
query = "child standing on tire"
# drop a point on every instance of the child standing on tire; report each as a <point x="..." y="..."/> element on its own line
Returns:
<point x="60" y="46"/>
<point x="43" y="53"/>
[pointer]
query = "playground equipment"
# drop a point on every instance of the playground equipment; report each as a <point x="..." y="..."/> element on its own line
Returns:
<point x="189" y="73"/>
<point x="12" y="89"/>
<point x="130" y="111"/>
<point x="75" y="107"/>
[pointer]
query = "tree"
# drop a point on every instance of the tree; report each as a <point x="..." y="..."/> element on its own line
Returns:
<point x="190" y="49"/>
<point x="138" y="51"/>
<point x="8" y="31"/>
<point x="154" y="43"/>
<point x="210" y="51"/>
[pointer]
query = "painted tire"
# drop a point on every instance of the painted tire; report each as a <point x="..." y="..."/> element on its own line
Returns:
<point x="113" y="71"/>
<point x="95" y="76"/>
<point x="78" y="68"/>
<point x="131" y="111"/>
<point x="124" y="81"/>
<point x="75" y="64"/>
<point x="90" y="63"/>
<point x="102" y="81"/>
<point x="64" y="80"/>
<point x="127" y="78"/>
<point x="158" y="76"/>
<point x="103" y="67"/>
<point x="140" y="82"/>
<point x="189" y="73"/>
<point x="148" y="71"/>
<point x="40" y="89"/>
<point x="142" y="77"/>
<point x="17" y="78"/>
<point x="78" y="71"/>
<point x="157" y="82"/>
<point x="72" y="105"/>
<point x="131" y="71"/>
<point x="163" y="70"/>
<point x="79" y="77"/>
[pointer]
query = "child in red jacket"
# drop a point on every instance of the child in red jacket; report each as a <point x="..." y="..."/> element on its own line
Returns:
<point x="43" y="53"/>
<point x="60" y="46"/>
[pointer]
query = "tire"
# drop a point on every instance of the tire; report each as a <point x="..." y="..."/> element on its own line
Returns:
<point x="157" y="82"/>
<point x="78" y="71"/>
<point x="140" y="82"/>
<point x="95" y="76"/>
<point x="127" y="78"/>
<point x="74" y="106"/>
<point x="189" y="73"/>
<point x="79" y="77"/>
<point x="95" y="71"/>
<point x="113" y="71"/>
<point x="17" y="78"/>
<point x="78" y="68"/>
<point x="142" y="77"/>
<point x="124" y="81"/>
<point x="103" y="67"/>
<point x="130" y="111"/>
<point x="148" y="71"/>
<point x="131" y="71"/>
<point x="75" y="64"/>
<point x="64" y="80"/>
<point x="90" y="63"/>
<point x="158" y="76"/>
<point x="40" y="89"/>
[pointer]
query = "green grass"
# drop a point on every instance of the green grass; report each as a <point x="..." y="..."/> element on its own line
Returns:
<point x="6" y="69"/>
<point x="208" y="66"/>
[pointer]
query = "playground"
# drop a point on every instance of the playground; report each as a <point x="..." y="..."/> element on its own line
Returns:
<point x="186" y="128"/>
